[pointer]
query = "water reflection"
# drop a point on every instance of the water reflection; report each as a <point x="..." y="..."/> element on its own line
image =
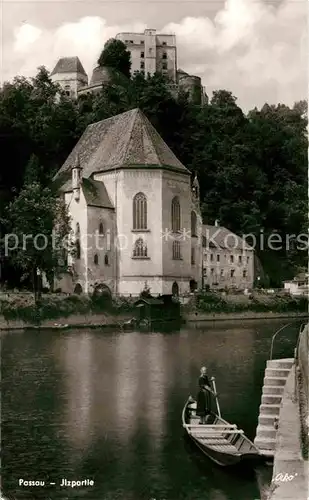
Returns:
<point x="108" y="407"/>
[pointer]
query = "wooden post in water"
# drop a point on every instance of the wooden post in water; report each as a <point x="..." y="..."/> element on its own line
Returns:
<point x="215" y="391"/>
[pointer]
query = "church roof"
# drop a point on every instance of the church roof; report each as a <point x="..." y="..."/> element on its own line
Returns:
<point x="95" y="194"/>
<point x="221" y="237"/>
<point x="69" y="65"/>
<point x="94" y="191"/>
<point x="127" y="140"/>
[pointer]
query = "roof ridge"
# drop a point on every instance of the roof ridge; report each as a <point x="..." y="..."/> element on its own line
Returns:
<point x="147" y="122"/>
<point x="131" y="130"/>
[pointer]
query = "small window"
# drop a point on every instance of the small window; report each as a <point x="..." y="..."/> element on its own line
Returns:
<point x="204" y="272"/>
<point x="106" y="260"/>
<point x="142" y="55"/>
<point x="212" y="271"/>
<point x="239" y="259"/>
<point x="77" y="230"/>
<point x="163" y="43"/>
<point x="164" y="56"/>
<point x="164" y="66"/>
<point x="218" y="258"/>
<point x="101" y="229"/>
<point x="142" y="42"/>
<point x="192" y="256"/>
<point x="232" y="273"/>
<point x="222" y="273"/>
<point x="244" y="273"/>
<point x="211" y="257"/>
<point x="176" y="250"/>
<point x="78" y="249"/>
<point x="232" y="258"/>
<point x="248" y="258"/>
<point x="96" y="259"/>
<point x="140" y="249"/>
<point x="142" y="65"/>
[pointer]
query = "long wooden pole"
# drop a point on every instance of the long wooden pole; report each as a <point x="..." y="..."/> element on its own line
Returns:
<point x="215" y="391"/>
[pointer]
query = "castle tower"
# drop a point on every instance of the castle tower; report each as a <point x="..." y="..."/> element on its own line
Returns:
<point x="70" y="75"/>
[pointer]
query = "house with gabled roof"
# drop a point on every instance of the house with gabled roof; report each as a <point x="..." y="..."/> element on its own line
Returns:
<point x="228" y="260"/>
<point x="134" y="211"/>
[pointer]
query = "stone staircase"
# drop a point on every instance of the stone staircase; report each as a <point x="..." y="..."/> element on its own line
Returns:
<point x="276" y="373"/>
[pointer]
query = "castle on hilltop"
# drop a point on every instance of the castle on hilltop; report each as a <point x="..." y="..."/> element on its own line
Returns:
<point x="150" y="53"/>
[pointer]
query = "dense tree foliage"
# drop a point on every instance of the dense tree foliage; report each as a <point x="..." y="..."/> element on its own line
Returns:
<point x="252" y="167"/>
<point x="115" y="55"/>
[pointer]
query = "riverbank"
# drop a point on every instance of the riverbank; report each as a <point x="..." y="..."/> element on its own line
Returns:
<point x="107" y="321"/>
<point x="19" y="312"/>
<point x="290" y="472"/>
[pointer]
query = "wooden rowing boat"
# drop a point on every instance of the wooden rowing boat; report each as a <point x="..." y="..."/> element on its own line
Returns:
<point x="219" y="440"/>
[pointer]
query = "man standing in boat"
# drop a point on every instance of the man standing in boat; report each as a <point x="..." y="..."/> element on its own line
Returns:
<point x="203" y="407"/>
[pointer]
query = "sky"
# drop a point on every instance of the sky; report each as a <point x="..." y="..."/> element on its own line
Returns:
<point x="257" y="49"/>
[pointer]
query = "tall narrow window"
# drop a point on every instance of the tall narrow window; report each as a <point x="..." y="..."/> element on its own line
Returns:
<point x="140" y="248"/>
<point x="96" y="259"/>
<point x="77" y="230"/>
<point x="175" y="214"/>
<point x="193" y="223"/>
<point x="101" y="229"/>
<point x="176" y="250"/>
<point x="139" y="212"/>
<point x="192" y="256"/>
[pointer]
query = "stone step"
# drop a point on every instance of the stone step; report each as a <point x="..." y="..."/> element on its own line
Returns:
<point x="267" y="420"/>
<point x="275" y="381"/>
<point x="266" y="431"/>
<point x="280" y="363"/>
<point x="271" y="399"/>
<point x="273" y="389"/>
<point x="269" y="409"/>
<point x="265" y="443"/>
<point x="277" y="372"/>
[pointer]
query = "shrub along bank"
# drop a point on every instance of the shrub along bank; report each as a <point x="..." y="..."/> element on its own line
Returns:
<point x="53" y="306"/>
<point x="22" y="307"/>
<point x="210" y="302"/>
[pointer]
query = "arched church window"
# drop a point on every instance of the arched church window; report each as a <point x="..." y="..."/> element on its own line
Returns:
<point x="140" y="248"/>
<point x="140" y="212"/>
<point x="106" y="260"/>
<point x="101" y="229"/>
<point x="175" y="214"/>
<point x="96" y="259"/>
<point x="193" y="223"/>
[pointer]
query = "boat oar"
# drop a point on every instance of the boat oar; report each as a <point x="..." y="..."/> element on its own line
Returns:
<point x="215" y="391"/>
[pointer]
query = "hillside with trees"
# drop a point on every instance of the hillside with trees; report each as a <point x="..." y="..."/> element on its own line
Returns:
<point x="252" y="167"/>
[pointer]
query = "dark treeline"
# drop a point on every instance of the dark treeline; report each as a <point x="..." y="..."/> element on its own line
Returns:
<point x="252" y="167"/>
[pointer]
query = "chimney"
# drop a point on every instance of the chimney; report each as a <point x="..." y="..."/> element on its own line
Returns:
<point x="76" y="178"/>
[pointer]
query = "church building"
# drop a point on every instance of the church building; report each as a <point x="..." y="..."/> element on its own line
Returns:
<point x="135" y="212"/>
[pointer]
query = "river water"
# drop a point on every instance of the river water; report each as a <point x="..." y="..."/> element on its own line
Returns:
<point x="106" y="407"/>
